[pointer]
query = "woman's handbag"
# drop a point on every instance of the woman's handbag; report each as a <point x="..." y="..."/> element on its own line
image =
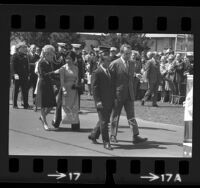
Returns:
<point x="80" y="88"/>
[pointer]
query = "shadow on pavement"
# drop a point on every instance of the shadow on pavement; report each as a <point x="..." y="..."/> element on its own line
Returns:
<point x="151" y="128"/>
<point x="138" y="146"/>
<point x="63" y="129"/>
<point x="144" y="145"/>
<point x="175" y="106"/>
<point x="90" y="112"/>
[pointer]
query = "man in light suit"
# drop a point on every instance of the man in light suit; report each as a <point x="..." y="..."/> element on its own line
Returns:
<point x="153" y="78"/>
<point x="103" y="92"/>
<point x="122" y="72"/>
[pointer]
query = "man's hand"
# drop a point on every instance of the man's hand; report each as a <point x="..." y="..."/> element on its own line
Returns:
<point x="139" y="76"/>
<point x="16" y="76"/>
<point x="99" y="105"/>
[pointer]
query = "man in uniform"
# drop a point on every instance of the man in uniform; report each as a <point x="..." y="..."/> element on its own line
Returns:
<point x="20" y="68"/>
<point x="81" y="69"/>
<point x="58" y="63"/>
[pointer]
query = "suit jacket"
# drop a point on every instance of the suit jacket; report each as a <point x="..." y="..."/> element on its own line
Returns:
<point x="153" y="71"/>
<point x="103" y="88"/>
<point x="123" y="79"/>
<point x="81" y="67"/>
<point x="20" y="65"/>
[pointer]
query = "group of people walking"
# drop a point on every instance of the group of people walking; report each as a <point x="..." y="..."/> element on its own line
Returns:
<point x="58" y="78"/>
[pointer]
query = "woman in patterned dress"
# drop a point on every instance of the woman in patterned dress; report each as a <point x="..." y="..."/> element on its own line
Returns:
<point x="69" y="84"/>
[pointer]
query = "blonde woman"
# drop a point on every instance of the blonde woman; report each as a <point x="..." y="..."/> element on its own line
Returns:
<point x="45" y="95"/>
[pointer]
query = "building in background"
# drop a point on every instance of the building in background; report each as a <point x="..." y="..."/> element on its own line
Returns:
<point x="180" y="43"/>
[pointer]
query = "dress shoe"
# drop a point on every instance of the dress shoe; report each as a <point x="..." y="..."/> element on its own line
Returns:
<point x="107" y="146"/>
<point x="93" y="139"/>
<point x="15" y="107"/>
<point x="142" y="102"/>
<point x="138" y="139"/>
<point x="113" y="139"/>
<point x="54" y="124"/>
<point x="46" y="128"/>
<point x="154" y="105"/>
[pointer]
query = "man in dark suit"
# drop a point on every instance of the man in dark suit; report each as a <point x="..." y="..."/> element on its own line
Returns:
<point x="122" y="72"/>
<point x="103" y="92"/>
<point x="20" y="68"/>
<point x="32" y="58"/>
<point x="153" y="79"/>
<point x="81" y="69"/>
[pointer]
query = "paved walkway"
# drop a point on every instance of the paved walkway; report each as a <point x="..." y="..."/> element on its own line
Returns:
<point x="27" y="137"/>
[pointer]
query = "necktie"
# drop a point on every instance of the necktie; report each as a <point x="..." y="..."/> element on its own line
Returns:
<point x="127" y="66"/>
<point x="107" y="72"/>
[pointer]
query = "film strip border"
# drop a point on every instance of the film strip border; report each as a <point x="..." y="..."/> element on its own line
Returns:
<point x="99" y="170"/>
<point x="100" y="19"/>
<point x="89" y="23"/>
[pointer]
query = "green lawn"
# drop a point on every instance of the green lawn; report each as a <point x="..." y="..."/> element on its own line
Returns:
<point x="165" y="113"/>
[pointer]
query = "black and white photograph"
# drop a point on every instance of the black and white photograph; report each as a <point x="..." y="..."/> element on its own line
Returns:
<point x="101" y="94"/>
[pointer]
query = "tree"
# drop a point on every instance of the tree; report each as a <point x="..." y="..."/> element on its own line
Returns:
<point x="38" y="38"/>
<point x="138" y="42"/>
<point x="43" y="38"/>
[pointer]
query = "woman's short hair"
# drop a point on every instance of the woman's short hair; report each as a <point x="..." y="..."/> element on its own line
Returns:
<point x="72" y="55"/>
<point x="46" y="49"/>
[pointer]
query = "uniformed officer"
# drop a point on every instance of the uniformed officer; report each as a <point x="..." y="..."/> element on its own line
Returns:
<point x="58" y="63"/>
<point x="100" y="51"/>
<point x="32" y="59"/>
<point x="76" y="48"/>
<point x="20" y="68"/>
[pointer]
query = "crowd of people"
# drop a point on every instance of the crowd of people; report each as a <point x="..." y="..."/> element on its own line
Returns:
<point x="114" y="77"/>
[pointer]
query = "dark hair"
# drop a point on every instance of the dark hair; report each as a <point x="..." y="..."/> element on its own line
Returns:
<point x="71" y="54"/>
